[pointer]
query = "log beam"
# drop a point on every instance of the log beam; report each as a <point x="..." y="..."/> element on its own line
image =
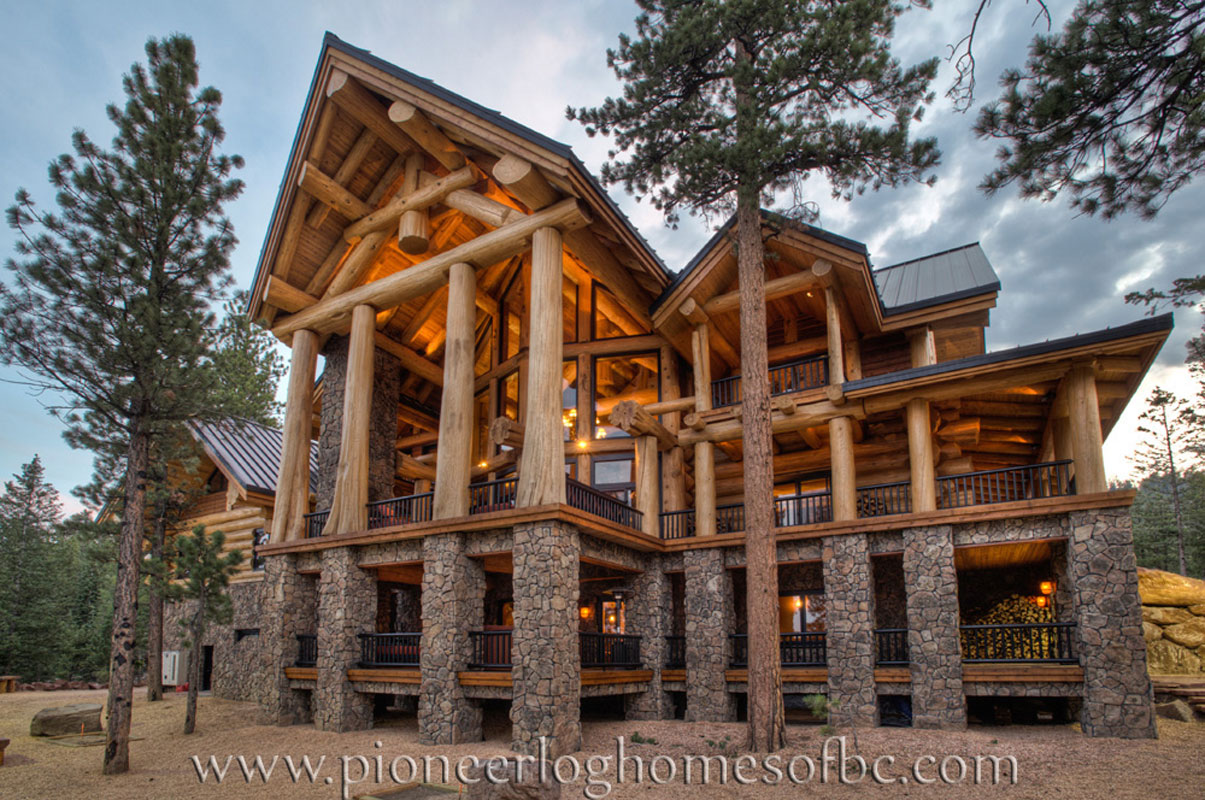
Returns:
<point x="349" y="510"/>
<point x="419" y="127"/>
<point x="362" y="256"/>
<point x="454" y="468"/>
<point x="350" y="95"/>
<point x="920" y="456"/>
<point x="634" y="420"/>
<point x="1084" y="421"/>
<point x="327" y="191"/>
<point x="286" y="296"/>
<point x="779" y="287"/>
<point x="293" y="487"/>
<point x="414" y="225"/>
<point x="411" y="360"/>
<point x="421" y="198"/>
<point x="648" y="500"/>
<point x="695" y="314"/>
<point x="844" y="477"/>
<point x="524" y="180"/>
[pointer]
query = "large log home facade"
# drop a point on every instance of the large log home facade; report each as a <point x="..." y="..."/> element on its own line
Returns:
<point x="529" y="470"/>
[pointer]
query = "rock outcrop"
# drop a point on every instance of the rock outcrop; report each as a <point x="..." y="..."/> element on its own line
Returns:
<point x="1173" y="622"/>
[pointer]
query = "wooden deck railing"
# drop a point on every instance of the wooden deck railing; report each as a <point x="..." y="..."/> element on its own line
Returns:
<point x="390" y="649"/>
<point x="1045" y="641"/>
<point x="307" y="650"/>
<point x="400" y="510"/>
<point x="315" y="522"/>
<point x="891" y="646"/>
<point x="1030" y="482"/>
<point x="600" y="504"/>
<point x="675" y="652"/>
<point x="797" y="649"/>
<point x="807" y="373"/>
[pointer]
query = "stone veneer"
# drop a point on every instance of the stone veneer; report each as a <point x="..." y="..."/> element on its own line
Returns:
<point x="709" y="615"/>
<point x="453" y="601"/>
<point x="546" y="675"/>
<point x="289" y="607"/>
<point x="933" y="637"/>
<point x="1118" y="700"/>
<point x="347" y="606"/>
<point x="648" y="616"/>
<point x="382" y="425"/>
<point x="236" y="662"/>
<point x="849" y="597"/>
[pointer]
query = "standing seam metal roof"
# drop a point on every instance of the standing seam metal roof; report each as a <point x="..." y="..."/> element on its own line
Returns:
<point x="940" y="277"/>
<point x="248" y="452"/>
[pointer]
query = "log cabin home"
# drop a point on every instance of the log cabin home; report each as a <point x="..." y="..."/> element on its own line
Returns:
<point x="528" y="483"/>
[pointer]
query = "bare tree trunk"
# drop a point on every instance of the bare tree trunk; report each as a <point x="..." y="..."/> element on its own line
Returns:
<point x="196" y="629"/>
<point x="766" y="717"/>
<point x="125" y="607"/>
<point x="1171" y="463"/>
<point x="154" y="644"/>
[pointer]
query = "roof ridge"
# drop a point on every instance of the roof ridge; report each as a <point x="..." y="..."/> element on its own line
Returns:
<point x="922" y="258"/>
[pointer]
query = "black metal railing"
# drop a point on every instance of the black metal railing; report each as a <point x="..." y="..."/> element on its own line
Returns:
<point x="496" y="495"/>
<point x="796" y="649"/>
<point x="675" y="652"/>
<point x="400" y="510"/>
<point x="614" y="650"/>
<point x="1046" y="641"/>
<point x="491" y="649"/>
<point x="891" y="646"/>
<point x="677" y="524"/>
<point x="803" y="509"/>
<point x="315" y="522"/>
<point x="1050" y="479"/>
<point x="807" y="373"/>
<point x="390" y="649"/>
<point x="730" y="518"/>
<point x="307" y="650"/>
<point x="600" y="504"/>
<point x="882" y="499"/>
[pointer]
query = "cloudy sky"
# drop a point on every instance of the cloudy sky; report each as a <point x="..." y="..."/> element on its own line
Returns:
<point x="1061" y="274"/>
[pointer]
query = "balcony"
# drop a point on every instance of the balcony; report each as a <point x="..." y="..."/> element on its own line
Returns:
<point x="390" y="649"/>
<point x="1049" y="642"/>
<point x="796" y="649"/>
<point x="315" y="522"/>
<point x="307" y="650"/>
<point x="808" y="373"/>
<point x="1011" y="484"/>
<point x="400" y="510"/>
<point x="492" y="650"/>
<point x="675" y="652"/>
<point x="891" y="647"/>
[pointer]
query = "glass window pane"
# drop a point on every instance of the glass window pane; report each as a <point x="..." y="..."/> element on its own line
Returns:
<point x="569" y="399"/>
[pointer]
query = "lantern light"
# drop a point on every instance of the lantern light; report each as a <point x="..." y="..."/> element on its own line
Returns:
<point x="1041" y="600"/>
<point x="1046" y="587"/>
<point x="798" y="603"/>
<point x="584" y="611"/>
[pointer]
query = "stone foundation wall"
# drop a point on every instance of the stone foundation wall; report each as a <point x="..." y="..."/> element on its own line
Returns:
<point x="649" y="617"/>
<point x="237" y="672"/>
<point x="849" y="595"/>
<point x="546" y="676"/>
<point x="708" y="617"/>
<point x="890" y="597"/>
<point x="289" y="607"/>
<point x="347" y="606"/>
<point x="933" y="636"/>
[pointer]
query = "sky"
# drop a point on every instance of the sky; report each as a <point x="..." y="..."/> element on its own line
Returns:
<point x="1060" y="273"/>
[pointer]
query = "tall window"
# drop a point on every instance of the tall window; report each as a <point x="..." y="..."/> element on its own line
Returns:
<point x="508" y="396"/>
<point x="615" y="474"/>
<point x="569" y="399"/>
<point x="610" y="319"/>
<point x="569" y="302"/>
<point x="510" y="338"/>
<point x="619" y="378"/>
<point x="801" y="613"/>
<point x="481" y="427"/>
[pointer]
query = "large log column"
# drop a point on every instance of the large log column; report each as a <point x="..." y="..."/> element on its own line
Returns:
<point x="453" y="604"/>
<point x="1108" y="625"/>
<point x="934" y="646"/>
<point x="1083" y="411"/>
<point x="850" y="640"/>
<point x="546" y="676"/>
<point x="920" y="456"/>
<point x="648" y="498"/>
<point x="347" y="606"/>
<point x="349" y="510"/>
<point x="542" y="464"/>
<point x="836" y="352"/>
<point x="704" y="451"/>
<point x="844" y="478"/>
<point x="708" y="601"/>
<point x="673" y="466"/>
<point x="454" y="465"/>
<point x="293" y="485"/>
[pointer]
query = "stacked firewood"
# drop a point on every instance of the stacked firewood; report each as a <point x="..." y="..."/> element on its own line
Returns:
<point x="1010" y="643"/>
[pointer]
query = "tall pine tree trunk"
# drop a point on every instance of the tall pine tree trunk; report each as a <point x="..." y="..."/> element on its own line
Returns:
<point x="125" y="606"/>
<point x="196" y="629"/>
<point x="154" y="635"/>
<point x="766" y="716"/>
<point x="1176" y="509"/>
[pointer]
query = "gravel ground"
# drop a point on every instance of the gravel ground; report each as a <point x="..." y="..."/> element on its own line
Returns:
<point x="1054" y="761"/>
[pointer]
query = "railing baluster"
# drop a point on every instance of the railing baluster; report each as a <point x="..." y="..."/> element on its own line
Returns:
<point x="1033" y="481"/>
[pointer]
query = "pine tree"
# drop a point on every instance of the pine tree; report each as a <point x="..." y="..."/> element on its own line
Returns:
<point x="200" y="573"/>
<point x="1161" y="453"/>
<point x="247" y="365"/>
<point x="109" y="311"/>
<point x="1110" y="110"/>
<point x="725" y="104"/>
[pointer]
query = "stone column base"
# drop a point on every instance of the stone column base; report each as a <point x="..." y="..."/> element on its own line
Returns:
<point x="708" y="623"/>
<point x="934" y="645"/>
<point x="849" y="593"/>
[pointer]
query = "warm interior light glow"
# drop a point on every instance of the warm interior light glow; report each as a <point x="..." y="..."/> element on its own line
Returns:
<point x="611" y="618"/>
<point x="483" y="464"/>
<point x="798" y="603"/>
<point x="1041" y="600"/>
<point x="1046" y="587"/>
<point x="581" y="444"/>
<point x="585" y="612"/>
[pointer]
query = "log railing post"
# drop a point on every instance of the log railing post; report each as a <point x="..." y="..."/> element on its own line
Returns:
<point x="453" y="467"/>
<point x="920" y="456"/>
<point x="836" y="352"/>
<point x="1083" y="412"/>
<point x="648" y="500"/>
<point x="673" y="469"/>
<point x="844" y="478"/>
<point x="542" y="464"/>
<point x="293" y="483"/>
<point x="349" y="511"/>
<point x="704" y="451"/>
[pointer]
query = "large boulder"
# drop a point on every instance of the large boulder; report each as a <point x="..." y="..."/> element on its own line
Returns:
<point x="1159" y="588"/>
<point x="1190" y="634"/>
<point x="78" y="718"/>
<point x="1165" y="615"/>
<point x="1198" y="609"/>
<point x="1177" y="710"/>
<point x="1168" y="658"/>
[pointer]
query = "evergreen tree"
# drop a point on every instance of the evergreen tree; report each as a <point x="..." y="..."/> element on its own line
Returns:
<point x="247" y="365"/>
<point x="1109" y="110"/>
<point x="109" y="310"/>
<point x="199" y="573"/>
<point x="33" y="597"/>
<point x="725" y="104"/>
<point x="1161" y="453"/>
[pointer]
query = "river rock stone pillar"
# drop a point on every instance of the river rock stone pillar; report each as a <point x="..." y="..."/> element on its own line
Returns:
<point x="347" y="606"/>
<point x="288" y="609"/>
<point x="849" y="596"/>
<point x="453" y="604"/>
<point x="648" y="609"/>
<point x="546" y="674"/>
<point x="934" y="646"/>
<point x="1117" y="698"/>
<point x="708" y="601"/>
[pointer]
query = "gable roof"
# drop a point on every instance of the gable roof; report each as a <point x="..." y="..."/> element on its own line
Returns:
<point x="248" y="453"/>
<point x="938" y="278"/>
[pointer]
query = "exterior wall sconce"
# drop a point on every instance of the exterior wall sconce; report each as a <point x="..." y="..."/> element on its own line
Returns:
<point x="1046" y="587"/>
<point x="585" y="612"/>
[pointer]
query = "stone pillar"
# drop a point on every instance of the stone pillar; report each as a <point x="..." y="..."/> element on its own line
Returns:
<point x="934" y="646"/>
<point x="1063" y="599"/>
<point x="849" y="597"/>
<point x="708" y="649"/>
<point x="382" y="424"/>
<point x="648" y="615"/>
<point x="285" y="614"/>
<point x="546" y="673"/>
<point x="347" y="606"/>
<point x="453" y="605"/>
<point x="1108" y="618"/>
